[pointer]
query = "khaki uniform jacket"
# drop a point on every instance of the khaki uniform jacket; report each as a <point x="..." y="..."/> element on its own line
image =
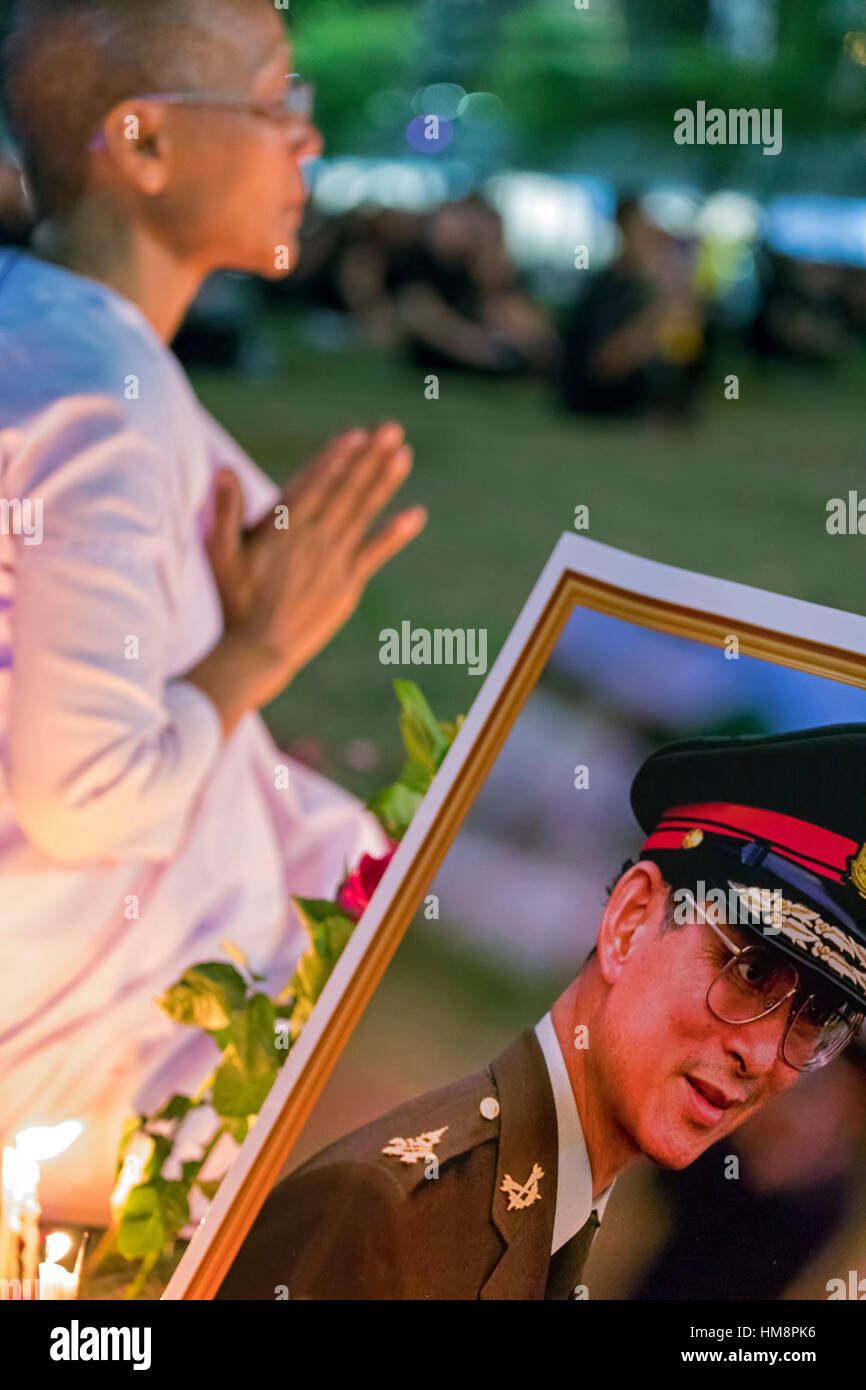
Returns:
<point x="368" y="1217"/>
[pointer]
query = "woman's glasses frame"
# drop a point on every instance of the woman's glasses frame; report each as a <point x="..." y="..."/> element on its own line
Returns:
<point x="292" y="111"/>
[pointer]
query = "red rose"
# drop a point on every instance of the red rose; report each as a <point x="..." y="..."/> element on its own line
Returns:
<point x="357" y="890"/>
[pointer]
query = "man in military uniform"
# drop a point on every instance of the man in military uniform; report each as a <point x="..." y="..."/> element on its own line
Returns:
<point x="729" y="958"/>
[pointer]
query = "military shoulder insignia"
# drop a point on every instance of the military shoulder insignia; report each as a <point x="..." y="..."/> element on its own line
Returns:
<point x="857" y="870"/>
<point x="520" y="1197"/>
<point x="412" y="1150"/>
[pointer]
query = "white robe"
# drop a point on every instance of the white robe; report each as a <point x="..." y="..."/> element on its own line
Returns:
<point x="118" y="794"/>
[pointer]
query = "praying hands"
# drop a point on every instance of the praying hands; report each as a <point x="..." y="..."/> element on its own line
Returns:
<point x="286" y="591"/>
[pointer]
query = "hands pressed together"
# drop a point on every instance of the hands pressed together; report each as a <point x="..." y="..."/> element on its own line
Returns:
<point x="286" y="592"/>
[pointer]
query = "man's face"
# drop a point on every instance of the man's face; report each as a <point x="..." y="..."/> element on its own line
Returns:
<point x="675" y="1077"/>
<point x="236" y="195"/>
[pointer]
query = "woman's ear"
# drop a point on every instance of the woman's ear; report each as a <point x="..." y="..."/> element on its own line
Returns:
<point x="137" y="142"/>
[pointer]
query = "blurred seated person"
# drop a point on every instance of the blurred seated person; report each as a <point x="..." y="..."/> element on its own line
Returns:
<point x="802" y="317"/>
<point x="325" y="243"/>
<point x="344" y="264"/>
<point x="635" y="342"/>
<point x="456" y="297"/>
<point x="386" y="239"/>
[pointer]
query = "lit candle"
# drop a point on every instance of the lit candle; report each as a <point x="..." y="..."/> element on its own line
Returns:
<point x="19" y="1201"/>
<point x="30" y="1241"/>
<point x="55" y="1282"/>
<point x="8" y="1220"/>
<point x="20" y="1178"/>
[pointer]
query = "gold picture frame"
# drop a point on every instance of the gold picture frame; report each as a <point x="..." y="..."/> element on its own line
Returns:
<point x="580" y="573"/>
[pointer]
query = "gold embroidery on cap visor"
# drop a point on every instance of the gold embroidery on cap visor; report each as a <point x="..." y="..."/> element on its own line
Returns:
<point x="809" y="931"/>
<point x="857" y="871"/>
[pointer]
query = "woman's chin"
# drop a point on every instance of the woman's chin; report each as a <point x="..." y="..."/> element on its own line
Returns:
<point x="280" y="258"/>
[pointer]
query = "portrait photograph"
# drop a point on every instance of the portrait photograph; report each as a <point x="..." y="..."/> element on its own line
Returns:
<point x="432" y="668"/>
<point x="642" y="760"/>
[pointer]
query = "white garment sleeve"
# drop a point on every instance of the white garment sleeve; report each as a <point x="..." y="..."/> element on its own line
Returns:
<point x="105" y="755"/>
<point x="260" y="492"/>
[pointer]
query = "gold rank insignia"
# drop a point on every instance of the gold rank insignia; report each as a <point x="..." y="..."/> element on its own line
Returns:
<point x="411" y="1150"/>
<point x="520" y="1197"/>
<point x="857" y="870"/>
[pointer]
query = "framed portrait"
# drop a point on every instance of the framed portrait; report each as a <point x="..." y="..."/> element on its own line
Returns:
<point x="498" y="885"/>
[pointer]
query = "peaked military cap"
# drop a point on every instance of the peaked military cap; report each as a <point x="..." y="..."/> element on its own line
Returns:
<point x="785" y="812"/>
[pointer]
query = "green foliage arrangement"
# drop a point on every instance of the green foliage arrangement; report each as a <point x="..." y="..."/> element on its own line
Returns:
<point x="252" y="1032"/>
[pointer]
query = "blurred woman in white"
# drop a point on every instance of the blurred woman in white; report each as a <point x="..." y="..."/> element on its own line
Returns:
<point x="158" y="604"/>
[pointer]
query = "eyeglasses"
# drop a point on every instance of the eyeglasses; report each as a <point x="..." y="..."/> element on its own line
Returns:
<point x="757" y="980"/>
<point x="293" y="111"/>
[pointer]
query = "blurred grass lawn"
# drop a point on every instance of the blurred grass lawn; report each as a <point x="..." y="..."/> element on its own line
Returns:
<point x="742" y="494"/>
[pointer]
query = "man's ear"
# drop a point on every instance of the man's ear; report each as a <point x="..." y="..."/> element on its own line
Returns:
<point x="136" y="139"/>
<point x="634" y="911"/>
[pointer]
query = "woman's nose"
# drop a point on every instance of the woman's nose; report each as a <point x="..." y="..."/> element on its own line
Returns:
<point x="308" y="144"/>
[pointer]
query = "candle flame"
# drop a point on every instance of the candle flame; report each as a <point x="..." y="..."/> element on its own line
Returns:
<point x="47" y="1141"/>
<point x="57" y="1245"/>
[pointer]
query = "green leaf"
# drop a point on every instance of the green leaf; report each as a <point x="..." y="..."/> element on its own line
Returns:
<point x="238" y="1129"/>
<point x="210" y="1187"/>
<point x="237" y="1093"/>
<point x="131" y="1128"/>
<point x="174" y="1206"/>
<point x="329" y="929"/>
<point x="154" y="1213"/>
<point x="250" y="1064"/>
<point x="224" y="1037"/>
<point x="450" y="731"/>
<point x="141" y="1227"/>
<point x="415" y="776"/>
<point x="315" y="911"/>
<point x="205" y="996"/>
<point x="190" y="1171"/>
<point x="159" y="1153"/>
<point x="394" y="808"/>
<point x="174" y="1109"/>
<point x="422" y="735"/>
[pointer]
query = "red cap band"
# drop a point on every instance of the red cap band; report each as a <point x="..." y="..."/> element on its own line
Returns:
<point x="821" y="850"/>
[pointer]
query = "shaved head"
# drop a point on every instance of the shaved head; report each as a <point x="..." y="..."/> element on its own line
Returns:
<point x="67" y="63"/>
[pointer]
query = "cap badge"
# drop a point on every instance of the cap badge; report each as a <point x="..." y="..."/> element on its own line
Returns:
<point x="857" y="870"/>
<point x="520" y="1197"/>
<point x="692" y="838"/>
<point x="412" y="1150"/>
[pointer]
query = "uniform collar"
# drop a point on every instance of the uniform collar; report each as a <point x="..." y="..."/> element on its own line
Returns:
<point x="574" y="1175"/>
<point x="526" y="1158"/>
